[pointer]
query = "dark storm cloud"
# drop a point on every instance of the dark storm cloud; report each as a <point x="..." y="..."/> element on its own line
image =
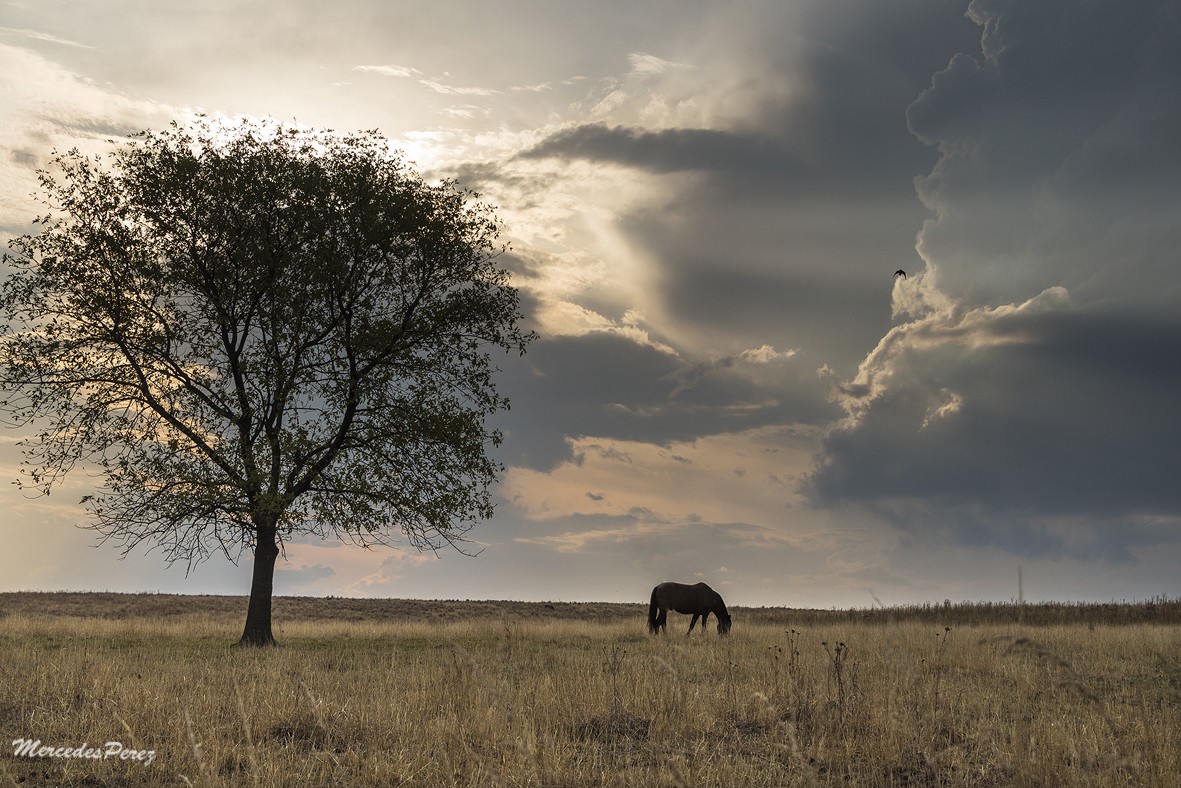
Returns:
<point x="1056" y="137"/>
<point x="840" y="130"/>
<point x="669" y="150"/>
<point x="1046" y="434"/>
<point x="833" y="302"/>
<point x="1047" y="75"/>
<point x="796" y="208"/>
<point x="787" y="162"/>
<point x="1091" y="539"/>
<point x="1063" y="436"/>
<point x="1056" y="413"/>
<point x="610" y="387"/>
<point x="1046" y="426"/>
<point x="759" y="162"/>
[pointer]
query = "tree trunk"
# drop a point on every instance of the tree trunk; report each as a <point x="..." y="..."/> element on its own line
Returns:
<point x="258" y="615"/>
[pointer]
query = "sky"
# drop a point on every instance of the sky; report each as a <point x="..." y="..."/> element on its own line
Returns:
<point x="706" y="203"/>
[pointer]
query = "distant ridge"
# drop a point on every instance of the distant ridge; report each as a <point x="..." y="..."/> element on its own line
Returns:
<point x="110" y="605"/>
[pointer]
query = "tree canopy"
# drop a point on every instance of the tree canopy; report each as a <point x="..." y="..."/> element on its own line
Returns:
<point x="255" y="331"/>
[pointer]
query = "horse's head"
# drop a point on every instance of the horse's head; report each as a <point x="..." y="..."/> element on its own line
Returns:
<point x="724" y="624"/>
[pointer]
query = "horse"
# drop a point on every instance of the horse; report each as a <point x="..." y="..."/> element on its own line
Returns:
<point x="698" y="599"/>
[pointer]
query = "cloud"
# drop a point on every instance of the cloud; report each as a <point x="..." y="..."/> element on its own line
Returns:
<point x="34" y="35"/>
<point x="780" y="197"/>
<point x="1045" y="428"/>
<point x="667" y="150"/>
<point x="578" y="541"/>
<point x="745" y="476"/>
<point x="689" y="376"/>
<point x="765" y="354"/>
<point x="805" y="117"/>
<point x="465" y="112"/>
<point x="1025" y="401"/>
<point x="451" y="90"/>
<point x="650" y="64"/>
<point x="387" y="579"/>
<point x="391" y="71"/>
<point x="433" y="84"/>
<point x="54" y="108"/>
<point x="296" y="576"/>
<point x="609" y="386"/>
<point x="1067" y="146"/>
<point x="540" y="87"/>
<point x="567" y="318"/>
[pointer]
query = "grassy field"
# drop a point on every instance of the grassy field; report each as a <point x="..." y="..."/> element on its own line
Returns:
<point x="384" y="692"/>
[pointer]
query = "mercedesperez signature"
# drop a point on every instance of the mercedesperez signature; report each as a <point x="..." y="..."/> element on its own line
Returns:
<point x="33" y="748"/>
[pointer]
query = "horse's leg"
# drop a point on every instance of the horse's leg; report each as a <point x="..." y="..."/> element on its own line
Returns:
<point x="662" y="622"/>
<point x="704" y="618"/>
<point x="692" y="624"/>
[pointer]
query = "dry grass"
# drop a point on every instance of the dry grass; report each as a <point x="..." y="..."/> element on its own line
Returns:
<point x="538" y="698"/>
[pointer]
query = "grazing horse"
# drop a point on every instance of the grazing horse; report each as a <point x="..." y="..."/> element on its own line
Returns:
<point x="698" y="599"/>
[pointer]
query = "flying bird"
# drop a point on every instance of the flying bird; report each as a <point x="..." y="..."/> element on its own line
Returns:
<point x="901" y="273"/>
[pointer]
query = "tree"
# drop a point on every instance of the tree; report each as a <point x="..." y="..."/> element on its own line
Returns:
<point x="249" y="332"/>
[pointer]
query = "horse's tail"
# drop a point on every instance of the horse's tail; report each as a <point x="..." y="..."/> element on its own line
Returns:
<point x="653" y="610"/>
